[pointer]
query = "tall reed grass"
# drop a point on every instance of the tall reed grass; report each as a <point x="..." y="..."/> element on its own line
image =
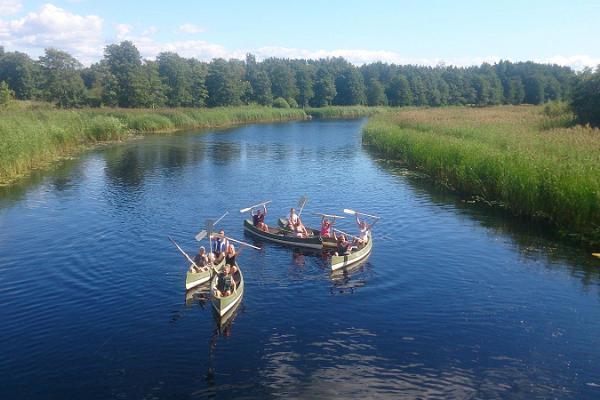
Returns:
<point x="32" y="135"/>
<point x="343" y="111"/>
<point x="532" y="161"/>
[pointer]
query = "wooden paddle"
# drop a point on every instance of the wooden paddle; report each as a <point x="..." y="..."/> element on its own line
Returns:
<point x="183" y="252"/>
<point x="236" y="241"/>
<point x="596" y="255"/>
<point x="352" y="212"/>
<point x="344" y="233"/>
<point x="209" y="225"/>
<point x="301" y="204"/>
<point x="330" y="215"/>
<point x="243" y="210"/>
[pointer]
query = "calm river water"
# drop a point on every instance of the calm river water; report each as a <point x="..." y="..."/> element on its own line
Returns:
<point x="456" y="301"/>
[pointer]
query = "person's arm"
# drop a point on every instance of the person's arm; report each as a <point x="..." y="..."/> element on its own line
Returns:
<point x="265" y="208"/>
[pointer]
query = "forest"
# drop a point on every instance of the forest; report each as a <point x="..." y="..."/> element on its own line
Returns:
<point x="123" y="79"/>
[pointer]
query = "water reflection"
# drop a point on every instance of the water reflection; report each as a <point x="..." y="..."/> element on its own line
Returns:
<point x="349" y="279"/>
<point x="534" y="240"/>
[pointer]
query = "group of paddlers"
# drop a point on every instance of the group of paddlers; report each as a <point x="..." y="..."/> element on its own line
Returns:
<point x="295" y="225"/>
<point x="221" y="249"/>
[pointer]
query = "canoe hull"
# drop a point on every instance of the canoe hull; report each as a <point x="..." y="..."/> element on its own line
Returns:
<point x="194" y="279"/>
<point x="222" y="304"/>
<point x="312" y="242"/>
<point x="338" y="262"/>
<point x="327" y="242"/>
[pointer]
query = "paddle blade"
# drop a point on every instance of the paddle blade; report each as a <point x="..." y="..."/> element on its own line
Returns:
<point x="348" y="211"/>
<point x="209" y="226"/>
<point x="201" y="235"/>
<point x="596" y="255"/>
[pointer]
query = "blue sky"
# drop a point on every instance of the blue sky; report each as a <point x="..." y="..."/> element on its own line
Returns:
<point x="425" y="32"/>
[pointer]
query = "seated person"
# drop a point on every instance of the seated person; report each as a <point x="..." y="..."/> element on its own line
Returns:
<point x="230" y="255"/>
<point x="295" y="224"/>
<point x="219" y="245"/>
<point x="225" y="283"/>
<point x="344" y="247"/>
<point x="258" y="219"/>
<point x="201" y="261"/>
<point x="326" y="227"/>
<point x="364" y="229"/>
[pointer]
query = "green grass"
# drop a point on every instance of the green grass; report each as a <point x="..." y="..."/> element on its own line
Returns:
<point x="343" y="111"/>
<point x="531" y="160"/>
<point x="35" y="134"/>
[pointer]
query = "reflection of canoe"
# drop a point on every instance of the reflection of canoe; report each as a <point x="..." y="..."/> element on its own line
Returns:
<point x="200" y="294"/>
<point x="193" y="279"/>
<point x="225" y="320"/>
<point x="284" y="236"/>
<point x="326" y="242"/>
<point x="222" y="304"/>
<point x="338" y="262"/>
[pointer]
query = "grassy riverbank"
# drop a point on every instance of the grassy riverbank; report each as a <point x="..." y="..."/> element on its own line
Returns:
<point x="33" y="135"/>
<point x="344" y="111"/>
<point x="530" y="161"/>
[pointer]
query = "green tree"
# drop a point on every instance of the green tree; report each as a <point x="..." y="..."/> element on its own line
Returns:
<point x="418" y="91"/>
<point x="324" y="89"/>
<point x="18" y="71"/>
<point x="376" y="93"/>
<point x="198" y="91"/>
<point x="350" y="88"/>
<point x="586" y="98"/>
<point x="224" y="84"/>
<point x="125" y="64"/>
<point x="304" y="82"/>
<point x="283" y="81"/>
<point x="534" y="90"/>
<point x="175" y="73"/>
<point x="398" y="92"/>
<point x="62" y="83"/>
<point x="6" y="94"/>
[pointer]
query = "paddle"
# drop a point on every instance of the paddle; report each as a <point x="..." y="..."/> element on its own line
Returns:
<point x="237" y="241"/>
<point x="329" y="215"/>
<point x="301" y="203"/>
<point x="596" y="255"/>
<point x="352" y="212"/>
<point x="183" y="252"/>
<point x="344" y="233"/>
<point x="243" y="210"/>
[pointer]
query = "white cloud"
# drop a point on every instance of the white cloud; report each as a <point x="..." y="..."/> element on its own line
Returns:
<point x="123" y="30"/>
<point x="9" y="7"/>
<point x="190" y="28"/>
<point x="52" y="26"/>
<point x="577" y="62"/>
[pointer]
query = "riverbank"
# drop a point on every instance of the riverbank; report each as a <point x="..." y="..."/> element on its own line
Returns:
<point x="32" y="135"/>
<point x="531" y="162"/>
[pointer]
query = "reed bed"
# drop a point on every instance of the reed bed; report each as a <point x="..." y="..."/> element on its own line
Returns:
<point x="32" y="135"/>
<point x="343" y="111"/>
<point x="534" y="163"/>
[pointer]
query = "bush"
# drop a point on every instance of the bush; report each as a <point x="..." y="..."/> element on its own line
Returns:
<point x="292" y="102"/>
<point x="586" y="99"/>
<point x="6" y="95"/>
<point x="280" y="103"/>
<point x="104" y="127"/>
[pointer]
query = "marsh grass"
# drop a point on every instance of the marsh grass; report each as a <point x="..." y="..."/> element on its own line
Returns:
<point x="34" y="134"/>
<point x="533" y="161"/>
<point x="343" y="111"/>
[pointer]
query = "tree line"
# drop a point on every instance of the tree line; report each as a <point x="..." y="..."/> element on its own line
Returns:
<point x="123" y="79"/>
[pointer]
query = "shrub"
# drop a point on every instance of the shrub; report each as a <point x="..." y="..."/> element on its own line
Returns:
<point x="280" y="103"/>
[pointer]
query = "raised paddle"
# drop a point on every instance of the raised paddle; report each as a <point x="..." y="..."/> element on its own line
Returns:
<point x="329" y="215"/>
<point x="352" y="212"/>
<point x="596" y="255"/>
<point x="243" y="210"/>
<point x="209" y="226"/>
<point x="302" y="203"/>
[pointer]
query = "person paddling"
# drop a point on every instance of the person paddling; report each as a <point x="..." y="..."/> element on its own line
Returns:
<point x="226" y="283"/>
<point x="326" y="226"/>
<point x="344" y="247"/>
<point x="230" y="255"/>
<point x="364" y="229"/>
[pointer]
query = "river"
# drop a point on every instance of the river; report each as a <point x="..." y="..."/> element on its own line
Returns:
<point x="456" y="300"/>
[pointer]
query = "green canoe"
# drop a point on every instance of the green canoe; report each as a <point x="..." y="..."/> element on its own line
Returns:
<point x="328" y="242"/>
<point x="284" y="236"/>
<point x="193" y="279"/>
<point x="354" y="257"/>
<point x="222" y="304"/>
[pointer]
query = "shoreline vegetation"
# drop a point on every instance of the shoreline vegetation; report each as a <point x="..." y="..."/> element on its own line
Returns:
<point x="33" y="135"/>
<point x="530" y="159"/>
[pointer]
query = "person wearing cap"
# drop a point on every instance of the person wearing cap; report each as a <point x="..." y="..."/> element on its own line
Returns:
<point x="201" y="261"/>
